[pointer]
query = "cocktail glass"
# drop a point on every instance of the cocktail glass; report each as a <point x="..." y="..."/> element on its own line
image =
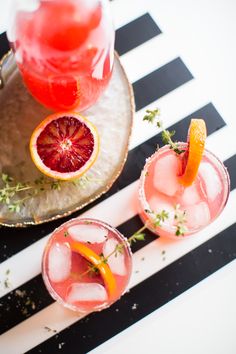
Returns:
<point x="64" y="50"/>
<point x="160" y="189"/>
<point x="74" y="281"/>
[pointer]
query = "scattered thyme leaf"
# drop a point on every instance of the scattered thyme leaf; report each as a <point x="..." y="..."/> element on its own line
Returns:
<point x="66" y="233"/>
<point x="7" y="283"/>
<point x="10" y="189"/>
<point x="50" y="329"/>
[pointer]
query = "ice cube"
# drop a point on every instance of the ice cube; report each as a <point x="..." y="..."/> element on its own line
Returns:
<point x="86" y="292"/>
<point x="211" y="180"/>
<point x="88" y="233"/>
<point x="159" y="203"/>
<point x="166" y="175"/>
<point x="117" y="260"/>
<point x="197" y="215"/>
<point x="59" y="262"/>
<point x="190" y="196"/>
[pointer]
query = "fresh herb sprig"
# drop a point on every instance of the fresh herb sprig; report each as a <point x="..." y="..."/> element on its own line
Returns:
<point x="157" y="220"/>
<point x="153" y="117"/>
<point x="14" y="194"/>
<point x="180" y="220"/>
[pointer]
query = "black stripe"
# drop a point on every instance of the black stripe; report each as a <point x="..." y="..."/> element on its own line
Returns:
<point x="130" y="227"/>
<point x="160" y="82"/>
<point x="21" y="238"/>
<point x="36" y="291"/>
<point x="4" y="45"/>
<point x="148" y="296"/>
<point x="23" y="303"/>
<point x="135" y="33"/>
<point x="231" y="166"/>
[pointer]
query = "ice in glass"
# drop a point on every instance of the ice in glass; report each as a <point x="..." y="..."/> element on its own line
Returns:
<point x="200" y="203"/>
<point x="70" y="266"/>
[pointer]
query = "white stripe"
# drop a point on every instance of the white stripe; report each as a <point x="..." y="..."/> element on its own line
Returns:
<point x="55" y="317"/>
<point x="162" y="53"/>
<point x="124" y="11"/>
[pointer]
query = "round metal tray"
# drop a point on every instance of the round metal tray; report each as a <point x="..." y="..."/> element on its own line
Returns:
<point x="20" y="114"/>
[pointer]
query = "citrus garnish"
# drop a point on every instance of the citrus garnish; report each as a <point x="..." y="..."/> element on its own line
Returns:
<point x="193" y="155"/>
<point x="98" y="262"/>
<point x="64" y="145"/>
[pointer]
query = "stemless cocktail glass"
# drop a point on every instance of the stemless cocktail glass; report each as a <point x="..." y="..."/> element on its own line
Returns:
<point x="68" y="273"/>
<point x="64" y="50"/>
<point x="160" y="189"/>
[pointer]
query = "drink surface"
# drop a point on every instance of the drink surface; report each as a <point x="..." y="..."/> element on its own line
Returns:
<point x="66" y="272"/>
<point x="201" y="202"/>
<point x="64" y="50"/>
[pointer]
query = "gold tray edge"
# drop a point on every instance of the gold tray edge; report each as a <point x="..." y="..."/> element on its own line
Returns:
<point x="69" y="212"/>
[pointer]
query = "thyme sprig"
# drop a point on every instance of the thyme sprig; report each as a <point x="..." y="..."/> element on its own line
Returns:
<point x="139" y="235"/>
<point x="181" y="220"/>
<point x="153" y="117"/>
<point x="14" y="194"/>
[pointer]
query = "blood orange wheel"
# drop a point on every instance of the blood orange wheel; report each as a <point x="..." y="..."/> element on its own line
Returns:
<point x="64" y="145"/>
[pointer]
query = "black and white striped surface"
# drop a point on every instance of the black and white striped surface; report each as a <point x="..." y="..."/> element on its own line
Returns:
<point x="182" y="301"/>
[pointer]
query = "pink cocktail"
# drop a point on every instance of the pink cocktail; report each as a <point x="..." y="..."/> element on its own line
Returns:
<point x="72" y="279"/>
<point x="64" y="50"/>
<point x="160" y="189"/>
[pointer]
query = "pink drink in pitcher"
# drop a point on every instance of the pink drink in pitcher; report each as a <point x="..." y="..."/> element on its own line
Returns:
<point x="69" y="275"/>
<point x="200" y="203"/>
<point x="64" y="50"/>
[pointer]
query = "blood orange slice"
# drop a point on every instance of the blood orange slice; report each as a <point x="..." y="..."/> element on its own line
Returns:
<point x="64" y="145"/>
<point x="193" y="155"/>
<point x="96" y="260"/>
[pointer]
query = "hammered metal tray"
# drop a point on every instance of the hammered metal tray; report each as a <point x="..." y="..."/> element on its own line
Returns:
<point x="20" y="114"/>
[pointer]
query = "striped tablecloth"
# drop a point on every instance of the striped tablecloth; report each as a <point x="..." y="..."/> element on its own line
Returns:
<point x="181" y="297"/>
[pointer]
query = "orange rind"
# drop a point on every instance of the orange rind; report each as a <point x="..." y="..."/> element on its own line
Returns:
<point x="193" y="155"/>
<point x="96" y="260"/>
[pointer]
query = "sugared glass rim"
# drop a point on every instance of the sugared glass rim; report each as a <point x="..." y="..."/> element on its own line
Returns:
<point x="51" y="290"/>
<point x="183" y="145"/>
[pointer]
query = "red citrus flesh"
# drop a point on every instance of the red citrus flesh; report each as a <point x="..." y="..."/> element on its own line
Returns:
<point x="64" y="146"/>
